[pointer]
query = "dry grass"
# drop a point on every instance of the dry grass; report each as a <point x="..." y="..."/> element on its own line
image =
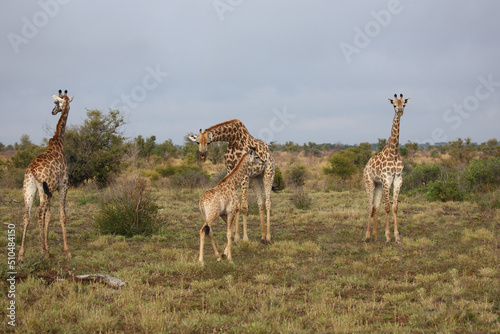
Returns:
<point x="317" y="275"/>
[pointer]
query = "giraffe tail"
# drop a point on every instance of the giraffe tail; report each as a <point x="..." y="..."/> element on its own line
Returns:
<point x="46" y="189"/>
<point x="207" y="229"/>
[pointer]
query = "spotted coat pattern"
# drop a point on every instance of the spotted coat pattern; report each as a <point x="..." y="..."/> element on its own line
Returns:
<point x="381" y="172"/>
<point x="47" y="173"/>
<point x="262" y="176"/>
<point x="222" y="201"/>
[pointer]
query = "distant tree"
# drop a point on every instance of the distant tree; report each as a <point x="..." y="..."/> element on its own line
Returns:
<point x="342" y="164"/>
<point x="412" y="147"/>
<point x="461" y="150"/>
<point x="2" y="147"/>
<point x="167" y="149"/>
<point x="95" y="149"/>
<point x="26" y="151"/>
<point x="145" y="146"/>
<point x="25" y="142"/>
<point x="381" y="144"/>
<point x="297" y="175"/>
<point x="493" y="142"/>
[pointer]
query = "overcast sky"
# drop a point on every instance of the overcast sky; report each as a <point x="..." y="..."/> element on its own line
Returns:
<point x="291" y="70"/>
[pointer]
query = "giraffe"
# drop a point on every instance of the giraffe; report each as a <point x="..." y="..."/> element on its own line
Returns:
<point x="381" y="171"/>
<point x="262" y="177"/>
<point x="222" y="201"/>
<point x="46" y="173"/>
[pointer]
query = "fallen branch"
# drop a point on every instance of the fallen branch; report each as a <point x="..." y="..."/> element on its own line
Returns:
<point x="109" y="280"/>
<point x="10" y="200"/>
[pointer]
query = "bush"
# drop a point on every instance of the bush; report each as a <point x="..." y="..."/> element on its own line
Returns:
<point x="128" y="209"/>
<point x="341" y="164"/>
<point x="418" y="177"/>
<point x="187" y="176"/>
<point x="94" y="150"/>
<point x="297" y="175"/>
<point x="482" y="175"/>
<point x="301" y="200"/>
<point x="279" y="182"/>
<point x="444" y="191"/>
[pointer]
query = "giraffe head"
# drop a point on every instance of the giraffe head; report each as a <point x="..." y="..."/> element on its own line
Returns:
<point x="255" y="160"/>
<point x="399" y="104"/>
<point x="203" y="140"/>
<point x="61" y="102"/>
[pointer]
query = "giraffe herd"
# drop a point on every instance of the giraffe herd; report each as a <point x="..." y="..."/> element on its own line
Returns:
<point x="248" y="161"/>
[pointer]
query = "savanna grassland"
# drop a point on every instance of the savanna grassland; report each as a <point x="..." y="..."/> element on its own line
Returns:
<point x="317" y="275"/>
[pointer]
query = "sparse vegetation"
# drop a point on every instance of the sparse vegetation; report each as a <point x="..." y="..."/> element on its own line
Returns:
<point x="127" y="209"/>
<point x="316" y="276"/>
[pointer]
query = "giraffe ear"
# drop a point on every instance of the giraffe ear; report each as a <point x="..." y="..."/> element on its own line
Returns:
<point x="193" y="138"/>
<point x="407" y="100"/>
<point x="391" y="101"/>
<point x="56" y="98"/>
<point x="70" y="98"/>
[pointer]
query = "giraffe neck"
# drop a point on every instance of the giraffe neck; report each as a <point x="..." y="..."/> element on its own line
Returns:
<point x="230" y="131"/>
<point x="393" y="141"/>
<point x="57" y="139"/>
<point x="234" y="179"/>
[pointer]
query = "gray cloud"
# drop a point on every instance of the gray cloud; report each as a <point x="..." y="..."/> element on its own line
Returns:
<point x="261" y="57"/>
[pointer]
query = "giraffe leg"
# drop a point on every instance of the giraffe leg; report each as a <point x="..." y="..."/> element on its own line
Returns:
<point x="244" y="205"/>
<point x="387" y="206"/>
<point x="46" y="230"/>
<point x="369" y="186"/>
<point x="211" y="236"/>
<point x="62" y="218"/>
<point x="398" y="182"/>
<point x="202" y="242"/>
<point x="227" y="251"/>
<point x="258" y="187"/>
<point x="377" y="197"/>
<point x="42" y="212"/>
<point x="30" y="190"/>
<point x="268" y="186"/>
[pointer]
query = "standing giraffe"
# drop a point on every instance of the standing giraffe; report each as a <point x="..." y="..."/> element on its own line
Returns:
<point x="381" y="171"/>
<point x="46" y="173"/>
<point x="262" y="176"/>
<point x="222" y="201"/>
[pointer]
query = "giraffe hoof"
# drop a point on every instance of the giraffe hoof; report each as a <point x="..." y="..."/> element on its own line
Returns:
<point x="264" y="242"/>
<point x="367" y="240"/>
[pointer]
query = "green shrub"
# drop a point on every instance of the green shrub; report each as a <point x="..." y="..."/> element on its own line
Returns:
<point x="188" y="176"/>
<point x="444" y="191"/>
<point x="297" y="175"/>
<point x="279" y="181"/>
<point x="341" y="164"/>
<point x="128" y="209"/>
<point x="418" y="177"/>
<point x="482" y="175"/>
<point x="301" y="200"/>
